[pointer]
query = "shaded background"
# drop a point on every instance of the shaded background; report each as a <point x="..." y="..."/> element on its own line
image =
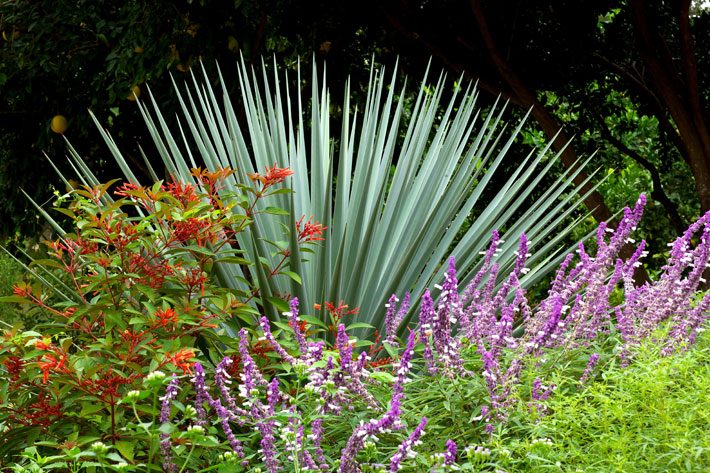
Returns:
<point x="627" y="79"/>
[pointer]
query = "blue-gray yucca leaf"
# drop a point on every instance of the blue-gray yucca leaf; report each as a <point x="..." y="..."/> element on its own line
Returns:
<point x="388" y="232"/>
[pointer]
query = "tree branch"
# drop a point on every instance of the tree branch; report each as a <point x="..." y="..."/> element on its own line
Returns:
<point x="653" y="100"/>
<point x="658" y="193"/>
<point x="594" y="200"/>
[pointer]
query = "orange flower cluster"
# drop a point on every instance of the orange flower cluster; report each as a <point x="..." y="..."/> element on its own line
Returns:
<point x="336" y="313"/>
<point x="152" y="268"/>
<point x="56" y="361"/>
<point x="14" y="366"/>
<point x="183" y="192"/>
<point x="310" y="231"/>
<point x="166" y="317"/>
<point x="192" y="229"/>
<point x="181" y="359"/>
<point x="275" y="175"/>
<point x="106" y="384"/>
<point x="41" y="413"/>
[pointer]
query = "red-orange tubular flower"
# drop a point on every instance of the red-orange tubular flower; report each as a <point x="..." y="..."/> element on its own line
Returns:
<point x="311" y="231"/>
<point x="181" y="359"/>
<point x="275" y="175"/>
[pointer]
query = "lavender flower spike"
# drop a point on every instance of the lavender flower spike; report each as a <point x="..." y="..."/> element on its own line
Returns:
<point x="389" y="421"/>
<point x="274" y="344"/>
<point x="394" y="317"/>
<point x="295" y="325"/>
<point x="406" y="449"/>
<point x="450" y="453"/>
<point x="165" y="444"/>
<point x="591" y="364"/>
<point x="200" y="398"/>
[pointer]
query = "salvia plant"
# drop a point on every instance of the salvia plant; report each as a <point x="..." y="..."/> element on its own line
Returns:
<point x="294" y="420"/>
<point x="385" y="231"/>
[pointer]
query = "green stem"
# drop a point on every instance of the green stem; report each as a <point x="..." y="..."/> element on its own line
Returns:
<point x="187" y="460"/>
<point x="151" y="451"/>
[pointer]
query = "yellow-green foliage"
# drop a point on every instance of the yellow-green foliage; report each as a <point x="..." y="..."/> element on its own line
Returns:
<point x="650" y="417"/>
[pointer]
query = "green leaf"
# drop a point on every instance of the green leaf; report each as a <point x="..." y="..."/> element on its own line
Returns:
<point x="275" y="211"/>
<point x="15" y="299"/>
<point x="91" y="408"/>
<point x="293" y="276"/>
<point x="312" y="320"/>
<point x="126" y="449"/>
<point x="358" y="325"/>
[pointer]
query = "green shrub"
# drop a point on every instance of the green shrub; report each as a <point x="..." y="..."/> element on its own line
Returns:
<point x="10" y="273"/>
<point x="650" y="416"/>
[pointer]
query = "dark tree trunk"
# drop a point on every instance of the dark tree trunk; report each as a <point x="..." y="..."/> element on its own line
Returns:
<point x="594" y="201"/>
<point x="676" y="86"/>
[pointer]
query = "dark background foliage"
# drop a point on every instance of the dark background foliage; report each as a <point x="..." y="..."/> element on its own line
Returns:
<point x="627" y="78"/>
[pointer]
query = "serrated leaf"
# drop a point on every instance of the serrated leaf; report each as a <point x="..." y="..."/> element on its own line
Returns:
<point x="126" y="448"/>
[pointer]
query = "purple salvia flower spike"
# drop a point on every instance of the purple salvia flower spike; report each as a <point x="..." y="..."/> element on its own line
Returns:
<point x="450" y="453"/>
<point x="295" y="324"/>
<point x="165" y="443"/>
<point x="426" y="314"/>
<point x="251" y="376"/>
<point x="200" y="390"/>
<point x="406" y="448"/>
<point x="316" y="438"/>
<point x="591" y="364"/>
<point x="276" y="346"/>
<point x="390" y="322"/>
<point x="390" y="420"/>
<point x="345" y="349"/>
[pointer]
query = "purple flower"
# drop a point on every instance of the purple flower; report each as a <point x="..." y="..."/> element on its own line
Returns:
<point x="222" y="380"/>
<point x="170" y="395"/>
<point x="165" y="443"/>
<point x="295" y="324"/>
<point x="450" y="453"/>
<point x="251" y="376"/>
<point x="394" y="317"/>
<point x="591" y="364"/>
<point x="274" y="344"/>
<point x="389" y="421"/>
<point x="316" y="438"/>
<point x="200" y="389"/>
<point x="342" y="343"/>
<point x="406" y="448"/>
<point x="268" y="445"/>
<point x="426" y="315"/>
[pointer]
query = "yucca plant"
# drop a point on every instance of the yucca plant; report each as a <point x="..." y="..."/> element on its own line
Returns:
<point x="393" y="193"/>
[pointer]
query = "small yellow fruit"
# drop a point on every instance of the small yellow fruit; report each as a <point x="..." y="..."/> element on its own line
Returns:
<point x="59" y="124"/>
<point x="135" y="92"/>
<point x="8" y="37"/>
<point x="232" y="43"/>
<point x="138" y="50"/>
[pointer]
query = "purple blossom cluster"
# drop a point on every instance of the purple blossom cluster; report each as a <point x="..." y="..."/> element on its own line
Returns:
<point x="259" y="404"/>
<point x="388" y="422"/>
<point x="491" y="315"/>
<point x="164" y="417"/>
<point x="576" y="310"/>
